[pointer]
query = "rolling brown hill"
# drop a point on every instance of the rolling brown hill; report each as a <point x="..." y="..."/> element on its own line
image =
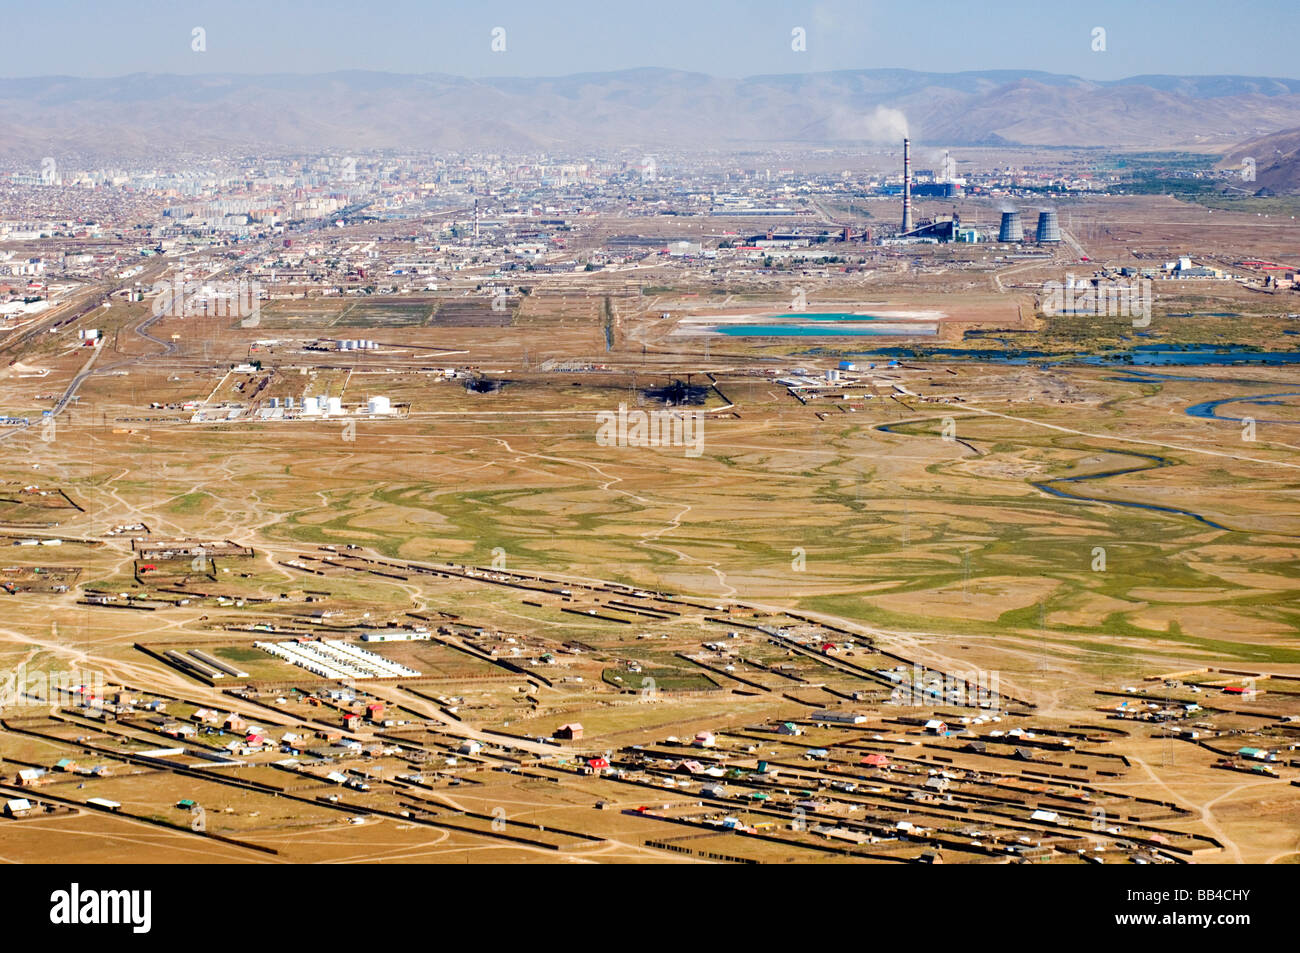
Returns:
<point x="645" y="109"/>
<point x="1277" y="161"/>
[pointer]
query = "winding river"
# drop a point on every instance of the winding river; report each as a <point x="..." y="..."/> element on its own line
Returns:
<point x="1209" y="410"/>
<point x="1205" y="410"/>
<point x="1157" y="462"/>
<point x="1154" y="462"/>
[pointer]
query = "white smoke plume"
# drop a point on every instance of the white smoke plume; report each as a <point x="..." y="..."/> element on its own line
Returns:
<point x="881" y="125"/>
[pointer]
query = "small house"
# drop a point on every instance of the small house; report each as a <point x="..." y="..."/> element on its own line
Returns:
<point x="1259" y="754"/>
<point x="570" y="732"/>
<point x="30" y="777"/>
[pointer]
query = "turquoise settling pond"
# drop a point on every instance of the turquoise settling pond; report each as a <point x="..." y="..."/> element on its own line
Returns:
<point x="814" y="324"/>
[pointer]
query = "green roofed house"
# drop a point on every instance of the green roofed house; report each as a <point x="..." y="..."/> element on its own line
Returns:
<point x="185" y="804"/>
<point x="1259" y="754"/>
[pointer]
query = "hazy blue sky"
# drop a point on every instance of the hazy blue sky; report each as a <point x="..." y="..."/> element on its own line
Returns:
<point x="728" y="38"/>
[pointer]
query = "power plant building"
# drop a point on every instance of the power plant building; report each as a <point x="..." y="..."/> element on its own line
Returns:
<point x="938" y="190"/>
<point x="941" y="230"/>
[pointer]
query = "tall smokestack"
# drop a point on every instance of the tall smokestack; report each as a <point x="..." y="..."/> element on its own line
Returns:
<point x="907" y="185"/>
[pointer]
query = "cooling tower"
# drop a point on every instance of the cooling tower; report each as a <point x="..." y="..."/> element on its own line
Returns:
<point x="1049" y="229"/>
<point x="1011" y="230"/>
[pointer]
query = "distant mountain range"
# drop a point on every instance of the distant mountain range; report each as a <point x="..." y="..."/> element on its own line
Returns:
<point x="1276" y="158"/>
<point x="644" y="109"/>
